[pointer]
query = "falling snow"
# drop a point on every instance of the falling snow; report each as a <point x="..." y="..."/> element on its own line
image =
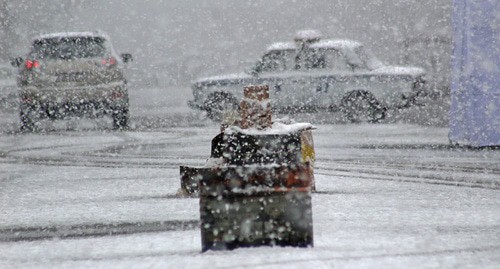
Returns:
<point x="406" y="135"/>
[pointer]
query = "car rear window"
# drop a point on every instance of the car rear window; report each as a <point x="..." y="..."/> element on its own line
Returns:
<point x="68" y="48"/>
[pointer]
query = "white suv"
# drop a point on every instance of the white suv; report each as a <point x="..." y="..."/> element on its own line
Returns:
<point x="313" y="74"/>
<point x="72" y="74"/>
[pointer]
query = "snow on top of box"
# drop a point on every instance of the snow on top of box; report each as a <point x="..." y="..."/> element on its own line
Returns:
<point x="278" y="128"/>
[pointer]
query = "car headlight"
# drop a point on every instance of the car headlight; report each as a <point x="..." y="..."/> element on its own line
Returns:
<point x="419" y="84"/>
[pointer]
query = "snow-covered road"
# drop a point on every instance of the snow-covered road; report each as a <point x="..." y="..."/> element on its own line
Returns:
<point x="389" y="196"/>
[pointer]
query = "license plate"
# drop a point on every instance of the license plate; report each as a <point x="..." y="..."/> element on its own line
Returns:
<point x="72" y="77"/>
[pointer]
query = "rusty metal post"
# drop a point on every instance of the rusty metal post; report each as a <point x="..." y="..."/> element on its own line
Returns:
<point x="255" y="107"/>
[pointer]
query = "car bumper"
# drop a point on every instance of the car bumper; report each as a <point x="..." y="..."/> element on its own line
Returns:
<point x="61" y="102"/>
<point x="98" y="93"/>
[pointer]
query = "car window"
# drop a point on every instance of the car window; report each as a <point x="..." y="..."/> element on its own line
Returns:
<point x="309" y="59"/>
<point x="276" y="61"/>
<point x="366" y="58"/>
<point x="68" y="48"/>
<point x="317" y="59"/>
<point x="334" y="60"/>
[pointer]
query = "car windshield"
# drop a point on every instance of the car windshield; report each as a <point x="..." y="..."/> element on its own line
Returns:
<point x="367" y="58"/>
<point x="68" y="48"/>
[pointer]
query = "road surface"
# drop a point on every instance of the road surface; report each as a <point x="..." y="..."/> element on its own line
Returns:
<point x="392" y="195"/>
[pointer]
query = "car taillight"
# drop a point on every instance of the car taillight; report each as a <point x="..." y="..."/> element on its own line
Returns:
<point x="32" y="64"/>
<point x="109" y="61"/>
<point x="26" y="100"/>
<point x="117" y="95"/>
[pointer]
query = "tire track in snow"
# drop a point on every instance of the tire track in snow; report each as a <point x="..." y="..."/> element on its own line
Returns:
<point x="430" y="253"/>
<point x="93" y="230"/>
<point x="400" y="176"/>
<point x="436" y="166"/>
<point x="104" y="155"/>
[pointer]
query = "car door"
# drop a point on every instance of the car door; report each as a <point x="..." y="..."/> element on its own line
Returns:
<point x="330" y="77"/>
<point x="277" y="69"/>
<point x="300" y="88"/>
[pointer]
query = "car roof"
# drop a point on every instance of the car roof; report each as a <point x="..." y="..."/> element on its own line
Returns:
<point x="321" y="44"/>
<point x="336" y="44"/>
<point x="282" y="46"/>
<point x="70" y="34"/>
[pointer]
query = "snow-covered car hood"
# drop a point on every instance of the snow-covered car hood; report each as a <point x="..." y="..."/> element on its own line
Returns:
<point x="400" y="70"/>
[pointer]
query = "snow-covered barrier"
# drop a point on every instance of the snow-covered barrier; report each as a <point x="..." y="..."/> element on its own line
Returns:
<point x="282" y="144"/>
<point x="247" y="206"/>
<point x="475" y="87"/>
<point x="256" y="187"/>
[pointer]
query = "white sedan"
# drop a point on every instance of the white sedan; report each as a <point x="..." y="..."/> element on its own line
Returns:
<point x="315" y="74"/>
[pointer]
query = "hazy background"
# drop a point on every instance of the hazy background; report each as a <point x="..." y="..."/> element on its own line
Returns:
<point x="174" y="42"/>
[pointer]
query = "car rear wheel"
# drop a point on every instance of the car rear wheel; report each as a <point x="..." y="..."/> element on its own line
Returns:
<point x="120" y="118"/>
<point x="361" y="106"/>
<point x="218" y="103"/>
<point x="28" y="120"/>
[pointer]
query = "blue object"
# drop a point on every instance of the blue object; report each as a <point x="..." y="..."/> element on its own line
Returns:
<point x="475" y="73"/>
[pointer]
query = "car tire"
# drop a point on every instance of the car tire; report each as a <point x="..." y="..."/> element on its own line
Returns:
<point x="120" y="118"/>
<point x="362" y="106"/>
<point x="28" y="120"/>
<point x="217" y="103"/>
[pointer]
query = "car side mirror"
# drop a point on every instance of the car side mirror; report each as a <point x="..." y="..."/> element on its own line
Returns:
<point x="16" y="62"/>
<point x="126" y="57"/>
